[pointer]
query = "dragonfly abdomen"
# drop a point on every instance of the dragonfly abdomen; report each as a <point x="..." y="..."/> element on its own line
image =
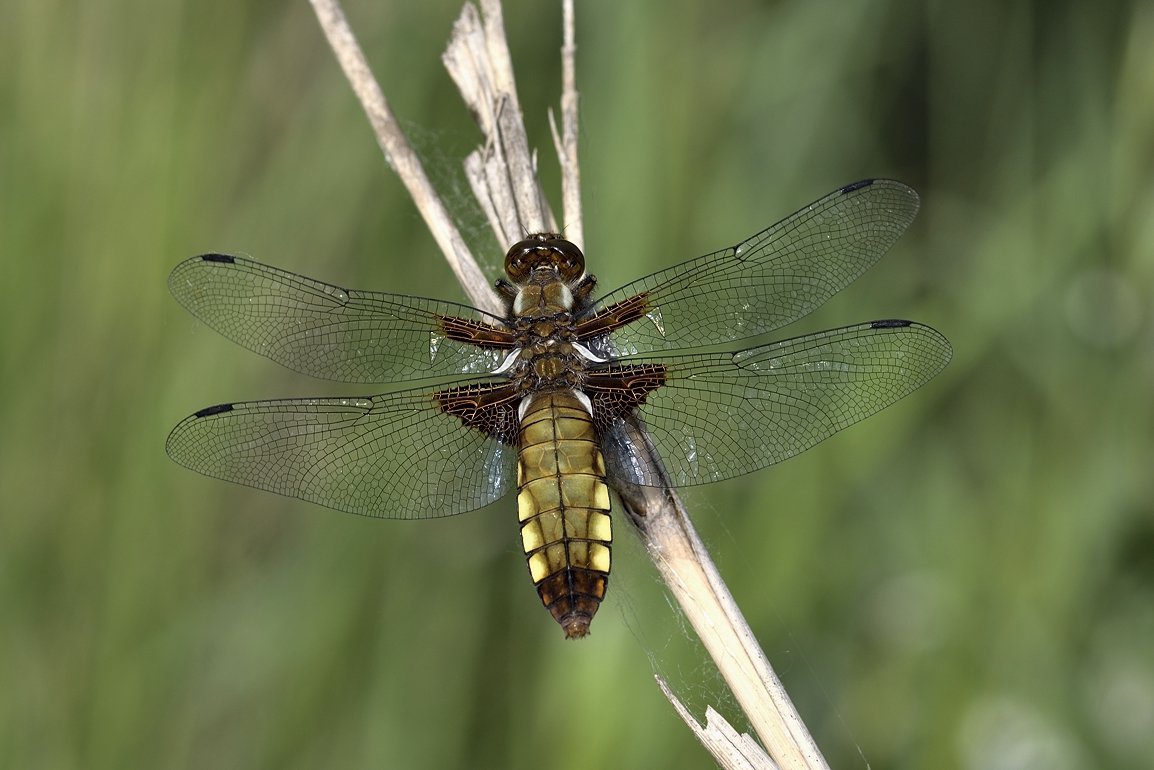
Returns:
<point x="563" y="507"/>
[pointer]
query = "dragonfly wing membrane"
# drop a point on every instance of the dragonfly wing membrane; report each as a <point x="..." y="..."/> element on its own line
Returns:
<point x="404" y="455"/>
<point x="770" y="280"/>
<point x="333" y="333"/>
<point x="719" y="415"/>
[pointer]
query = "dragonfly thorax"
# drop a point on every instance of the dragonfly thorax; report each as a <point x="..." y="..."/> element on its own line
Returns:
<point x="544" y="295"/>
<point x="548" y="364"/>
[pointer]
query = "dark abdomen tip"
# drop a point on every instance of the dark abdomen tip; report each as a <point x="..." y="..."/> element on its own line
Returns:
<point x="575" y="625"/>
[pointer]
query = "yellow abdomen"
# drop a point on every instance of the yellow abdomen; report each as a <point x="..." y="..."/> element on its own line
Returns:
<point x="563" y="506"/>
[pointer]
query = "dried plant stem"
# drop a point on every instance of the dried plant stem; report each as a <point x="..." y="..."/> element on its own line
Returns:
<point x="687" y="569"/>
<point x="502" y="174"/>
<point x="565" y="143"/>
<point x="732" y="750"/>
<point x="400" y="155"/>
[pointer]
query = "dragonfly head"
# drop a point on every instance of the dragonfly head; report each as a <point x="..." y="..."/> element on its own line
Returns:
<point x="547" y="251"/>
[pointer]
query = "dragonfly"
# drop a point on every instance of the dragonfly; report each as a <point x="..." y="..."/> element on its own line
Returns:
<point x="548" y="397"/>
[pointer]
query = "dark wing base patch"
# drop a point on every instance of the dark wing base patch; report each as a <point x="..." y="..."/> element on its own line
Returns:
<point x="489" y="408"/>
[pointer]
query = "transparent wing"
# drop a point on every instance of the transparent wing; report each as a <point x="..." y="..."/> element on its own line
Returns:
<point x="395" y="456"/>
<point x="714" y="416"/>
<point x="765" y="282"/>
<point x="334" y="333"/>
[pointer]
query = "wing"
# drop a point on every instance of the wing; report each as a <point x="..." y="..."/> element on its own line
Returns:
<point x="713" y="416"/>
<point x="334" y="333"/>
<point x="407" y="455"/>
<point x="763" y="283"/>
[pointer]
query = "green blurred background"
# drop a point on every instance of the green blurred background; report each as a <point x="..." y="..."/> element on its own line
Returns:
<point x="966" y="580"/>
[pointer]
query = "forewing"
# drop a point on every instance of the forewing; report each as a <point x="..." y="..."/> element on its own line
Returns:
<point x="763" y="283"/>
<point x="406" y="455"/>
<point x="714" y="416"/>
<point x="334" y="333"/>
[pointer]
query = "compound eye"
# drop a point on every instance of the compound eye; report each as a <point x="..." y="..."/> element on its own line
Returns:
<point x="572" y="262"/>
<point x="516" y="261"/>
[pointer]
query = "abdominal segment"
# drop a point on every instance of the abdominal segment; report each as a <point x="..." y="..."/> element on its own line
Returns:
<point x="563" y="506"/>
